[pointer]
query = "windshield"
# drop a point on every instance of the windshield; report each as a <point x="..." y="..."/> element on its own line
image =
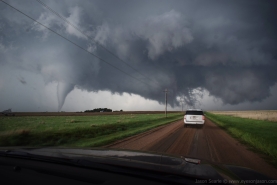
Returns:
<point x="194" y="113"/>
<point x="122" y="74"/>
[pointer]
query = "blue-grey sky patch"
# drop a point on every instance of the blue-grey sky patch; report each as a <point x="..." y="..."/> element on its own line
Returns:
<point x="22" y="80"/>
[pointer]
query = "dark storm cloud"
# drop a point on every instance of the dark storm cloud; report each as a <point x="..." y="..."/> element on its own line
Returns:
<point x="227" y="48"/>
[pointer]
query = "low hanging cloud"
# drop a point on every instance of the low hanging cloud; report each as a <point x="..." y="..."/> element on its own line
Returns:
<point x="228" y="56"/>
<point x="75" y="16"/>
<point x="165" y="32"/>
<point x="240" y="85"/>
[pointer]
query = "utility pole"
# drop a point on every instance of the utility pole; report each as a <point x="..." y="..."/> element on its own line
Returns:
<point x="182" y="101"/>
<point x="166" y="91"/>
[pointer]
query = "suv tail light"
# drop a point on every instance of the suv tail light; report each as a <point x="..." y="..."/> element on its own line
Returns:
<point x="184" y="116"/>
<point x="203" y="117"/>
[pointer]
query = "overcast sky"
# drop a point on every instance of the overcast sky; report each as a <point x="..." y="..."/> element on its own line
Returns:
<point x="214" y="55"/>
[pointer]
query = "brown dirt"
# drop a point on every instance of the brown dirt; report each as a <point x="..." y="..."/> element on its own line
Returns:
<point x="208" y="143"/>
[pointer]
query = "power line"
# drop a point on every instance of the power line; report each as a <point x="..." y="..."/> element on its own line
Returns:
<point x="74" y="26"/>
<point x="75" y="43"/>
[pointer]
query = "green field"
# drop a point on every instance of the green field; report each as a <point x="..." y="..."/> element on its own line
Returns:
<point x="260" y="135"/>
<point x="77" y="131"/>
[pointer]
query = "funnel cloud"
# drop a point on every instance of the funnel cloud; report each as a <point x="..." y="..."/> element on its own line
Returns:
<point x="63" y="90"/>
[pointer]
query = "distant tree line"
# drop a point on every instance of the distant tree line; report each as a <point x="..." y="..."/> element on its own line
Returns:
<point x="100" y="110"/>
<point x="118" y="110"/>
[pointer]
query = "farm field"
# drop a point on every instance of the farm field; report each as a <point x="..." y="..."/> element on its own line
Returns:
<point x="85" y="113"/>
<point x="77" y="131"/>
<point x="268" y="115"/>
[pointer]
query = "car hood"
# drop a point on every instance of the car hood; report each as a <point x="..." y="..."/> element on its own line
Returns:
<point x="162" y="163"/>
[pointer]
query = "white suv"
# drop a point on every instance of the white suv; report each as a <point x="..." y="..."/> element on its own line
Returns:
<point x="194" y="117"/>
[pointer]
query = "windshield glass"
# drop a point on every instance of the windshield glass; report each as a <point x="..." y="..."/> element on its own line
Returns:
<point x="194" y="113"/>
<point x="121" y="75"/>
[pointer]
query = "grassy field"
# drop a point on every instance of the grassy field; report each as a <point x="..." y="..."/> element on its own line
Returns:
<point x="77" y="131"/>
<point x="268" y="115"/>
<point x="261" y="135"/>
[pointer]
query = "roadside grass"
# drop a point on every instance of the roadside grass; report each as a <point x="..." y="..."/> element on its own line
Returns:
<point x="260" y="135"/>
<point x="77" y="131"/>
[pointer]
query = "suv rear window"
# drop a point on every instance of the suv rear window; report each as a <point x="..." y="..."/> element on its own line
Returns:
<point x="194" y="112"/>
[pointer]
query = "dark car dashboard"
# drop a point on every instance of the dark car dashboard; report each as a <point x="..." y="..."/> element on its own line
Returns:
<point x="25" y="171"/>
<point x="106" y="166"/>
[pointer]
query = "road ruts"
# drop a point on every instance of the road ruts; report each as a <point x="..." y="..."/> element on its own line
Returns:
<point x="208" y="143"/>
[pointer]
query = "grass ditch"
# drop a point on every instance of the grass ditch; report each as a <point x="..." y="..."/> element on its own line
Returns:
<point x="77" y="131"/>
<point x="260" y="135"/>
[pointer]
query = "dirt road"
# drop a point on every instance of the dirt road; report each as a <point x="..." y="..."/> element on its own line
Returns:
<point x="208" y="143"/>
